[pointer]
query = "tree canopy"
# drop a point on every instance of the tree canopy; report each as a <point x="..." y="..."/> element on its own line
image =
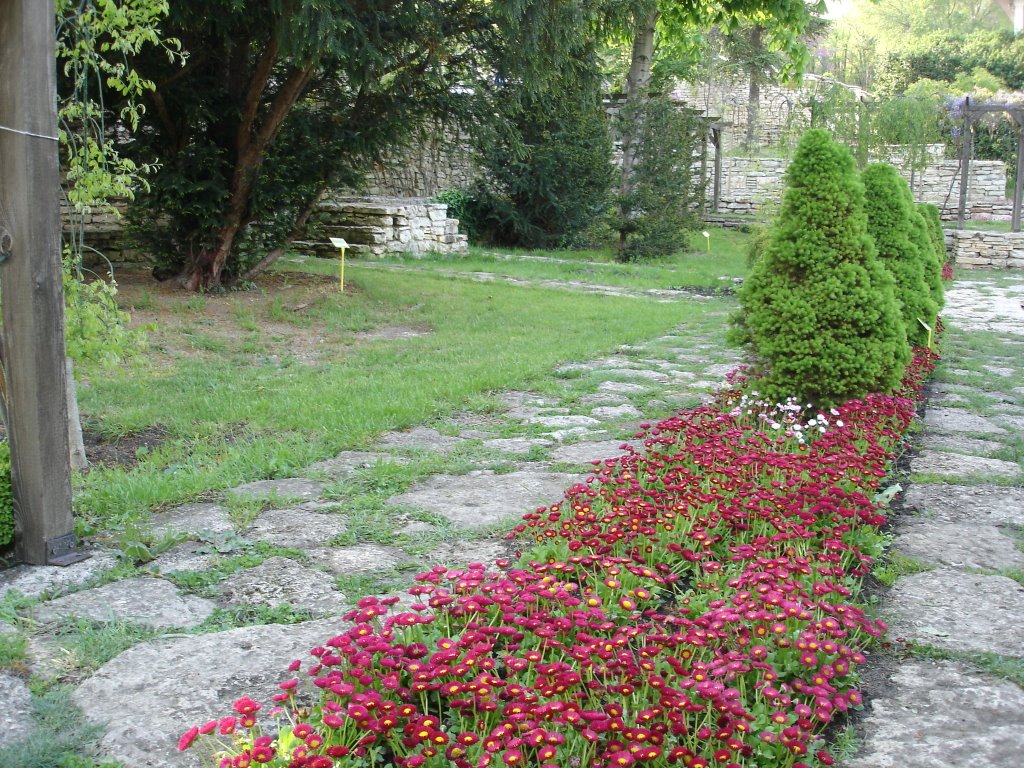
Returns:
<point x="277" y="101"/>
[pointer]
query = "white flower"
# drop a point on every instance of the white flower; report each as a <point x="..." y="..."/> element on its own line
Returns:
<point x="839" y="422"/>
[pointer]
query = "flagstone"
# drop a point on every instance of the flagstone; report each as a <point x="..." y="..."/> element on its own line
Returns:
<point x="981" y="504"/>
<point x="959" y="611"/>
<point x="144" y="712"/>
<point x="483" y="498"/>
<point x="959" y="465"/>
<point x="16" y="712"/>
<point x="151" y="602"/>
<point x="937" y="714"/>
<point x="35" y="580"/>
<point x="192" y="519"/>
<point x="960" y="545"/>
<point x="361" y="558"/>
<point x="282" y="581"/>
<point x="959" y="420"/>
<point x="297" y="527"/>
<point x="286" y="488"/>
<point x="584" y="453"/>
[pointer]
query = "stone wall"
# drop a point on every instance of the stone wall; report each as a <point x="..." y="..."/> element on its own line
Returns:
<point x="439" y="159"/>
<point x="973" y="249"/>
<point x="727" y="97"/>
<point x="378" y="226"/>
<point x="104" y="232"/>
<point x="754" y="185"/>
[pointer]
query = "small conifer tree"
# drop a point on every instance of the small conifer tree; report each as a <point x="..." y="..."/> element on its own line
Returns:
<point x="891" y="223"/>
<point x="819" y="312"/>
<point x="933" y="267"/>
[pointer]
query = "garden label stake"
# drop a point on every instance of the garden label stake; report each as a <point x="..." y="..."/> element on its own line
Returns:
<point x="341" y="245"/>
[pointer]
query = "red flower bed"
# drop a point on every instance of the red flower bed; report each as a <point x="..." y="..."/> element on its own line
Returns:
<point x="691" y="603"/>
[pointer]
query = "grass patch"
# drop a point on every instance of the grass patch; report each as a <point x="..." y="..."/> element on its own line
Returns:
<point x="1008" y="668"/>
<point x="897" y="565"/>
<point x="697" y="267"/>
<point x="232" y="417"/>
<point x="86" y="645"/>
<point x="252" y="615"/>
<point x="13" y="651"/>
<point x="60" y="738"/>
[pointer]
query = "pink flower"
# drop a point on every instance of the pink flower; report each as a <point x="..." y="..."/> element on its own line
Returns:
<point x="187" y="738"/>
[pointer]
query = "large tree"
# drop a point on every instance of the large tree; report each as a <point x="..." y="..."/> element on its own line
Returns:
<point x="781" y="23"/>
<point x="277" y="100"/>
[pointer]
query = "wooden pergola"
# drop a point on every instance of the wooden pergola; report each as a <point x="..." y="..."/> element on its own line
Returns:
<point x="32" y="350"/>
<point x="973" y="112"/>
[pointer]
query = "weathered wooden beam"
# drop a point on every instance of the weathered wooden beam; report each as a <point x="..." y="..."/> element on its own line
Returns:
<point x="966" y="150"/>
<point x="1018" y="187"/>
<point x="30" y="277"/>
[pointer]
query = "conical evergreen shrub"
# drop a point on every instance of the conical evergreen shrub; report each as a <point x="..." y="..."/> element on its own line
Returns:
<point x="819" y="312"/>
<point x="933" y="267"/>
<point x="892" y="225"/>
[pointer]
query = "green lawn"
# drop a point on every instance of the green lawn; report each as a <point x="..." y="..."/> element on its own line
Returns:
<point x="701" y="266"/>
<point x="258" y="384"/>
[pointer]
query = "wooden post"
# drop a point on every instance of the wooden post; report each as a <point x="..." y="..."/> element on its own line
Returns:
<point x="1018" y="187"/>
<point x="716" y="188"/>
<point x="966" y="149"/>
<point x="30" y="275"/>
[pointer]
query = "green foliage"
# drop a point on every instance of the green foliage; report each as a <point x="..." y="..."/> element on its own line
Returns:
<point x="95" y="328"/>
<point x="319" y="93"/>
<point x="460" y="206"/>
<point x="892" y="225"/>
<point x="96" y="41"/>
<point x="934" y="221"/>
<point x="6" y="499"/>
<point x="921" y="237"/>
<point x="818" y="311"/>
<point x="948" y="57"/>
<point x="656" y="213"/>
<point x="547" y="167"/>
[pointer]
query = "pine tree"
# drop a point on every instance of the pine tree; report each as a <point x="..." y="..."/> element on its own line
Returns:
<point x="931" y="241"/>
<point x="892" y="223"/>
<point x="819" y="311"/>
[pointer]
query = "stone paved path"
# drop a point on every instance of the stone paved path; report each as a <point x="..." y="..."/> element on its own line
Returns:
<point x="305" y="545"/>
<point x="949" y="702"/>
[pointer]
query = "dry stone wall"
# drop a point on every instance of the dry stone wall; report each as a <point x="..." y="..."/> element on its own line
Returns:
<point x="973" y="249"/>
<point x="437" y="160"/>
<point x="379" y="226"/>
<point x="754" y="185"/>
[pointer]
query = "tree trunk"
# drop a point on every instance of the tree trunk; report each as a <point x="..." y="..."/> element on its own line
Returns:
<point x="754" y="89"/>
<point x="253" y="137"/>
<point x="638" y="84"/>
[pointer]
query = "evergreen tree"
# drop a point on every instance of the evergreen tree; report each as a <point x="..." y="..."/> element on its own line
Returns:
<point x="819" y="312"/>
<point x="938" y="237"/>
<point x="892" y="225"/>
<point x="923" y="239"/>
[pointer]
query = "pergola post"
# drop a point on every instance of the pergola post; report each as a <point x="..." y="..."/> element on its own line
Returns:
<point x="1018" y="187"/>
<point x="30" y="276"/>
<point x="966" y="150"/>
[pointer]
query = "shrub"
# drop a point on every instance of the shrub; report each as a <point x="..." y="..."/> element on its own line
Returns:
<point x="933" y="258"/>
<point x="6" y="499"/>
<point x="659" y="209"/>
<point x="547" y="168"/>
<point x="892" y="225"/>
<point x="819" y="312"/>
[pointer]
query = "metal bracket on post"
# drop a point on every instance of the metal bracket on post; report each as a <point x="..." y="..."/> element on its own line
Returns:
<point x="6" y="244"/>
<point x="61" y="551"/>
